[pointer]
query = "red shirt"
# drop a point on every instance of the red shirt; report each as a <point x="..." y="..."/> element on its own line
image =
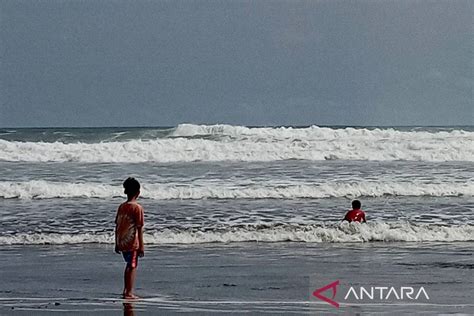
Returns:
<point x="355" y="216"/>
<point x="129" y="218"/>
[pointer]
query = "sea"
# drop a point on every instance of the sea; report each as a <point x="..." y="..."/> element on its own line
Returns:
<point x="226" y="185"/>
<point x="222" y="183"/>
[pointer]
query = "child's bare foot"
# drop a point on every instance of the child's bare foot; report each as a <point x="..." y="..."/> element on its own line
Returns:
<point x="130" y="296"/>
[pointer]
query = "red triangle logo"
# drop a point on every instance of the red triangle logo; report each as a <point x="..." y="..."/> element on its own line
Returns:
<point x="333" y="286"/>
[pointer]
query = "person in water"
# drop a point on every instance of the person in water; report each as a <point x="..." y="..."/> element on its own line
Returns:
<point x="129" y="234"/>
<point x="356" y="214"/>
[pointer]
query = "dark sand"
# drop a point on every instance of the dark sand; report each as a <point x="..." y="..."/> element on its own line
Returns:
<point x="249" y="278"/>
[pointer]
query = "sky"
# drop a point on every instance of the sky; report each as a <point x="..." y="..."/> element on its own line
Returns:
<point x="81" y="63"/>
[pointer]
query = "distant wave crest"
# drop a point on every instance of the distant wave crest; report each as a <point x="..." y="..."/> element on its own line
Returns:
<point x="188" y="142"/>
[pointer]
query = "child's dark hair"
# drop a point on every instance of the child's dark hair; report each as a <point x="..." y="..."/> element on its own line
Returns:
<point x="131" y="186"/>
<point x="356" y="204"/>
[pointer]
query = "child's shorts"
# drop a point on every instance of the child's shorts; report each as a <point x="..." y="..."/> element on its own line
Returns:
<point x="131" y="258"/>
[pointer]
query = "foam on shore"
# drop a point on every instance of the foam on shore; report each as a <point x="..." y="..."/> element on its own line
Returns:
<point x="343" y="233"/>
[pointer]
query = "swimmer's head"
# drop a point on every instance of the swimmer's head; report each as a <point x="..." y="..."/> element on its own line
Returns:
<point x="356" y="204"/>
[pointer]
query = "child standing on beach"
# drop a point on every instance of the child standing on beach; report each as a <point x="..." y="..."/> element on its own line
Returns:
<point x="356" y="214"/>
<point x="129" y="234"/>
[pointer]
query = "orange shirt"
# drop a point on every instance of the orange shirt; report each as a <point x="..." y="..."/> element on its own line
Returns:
<point x="129" y="218"/>
<point x="355" y="216"/>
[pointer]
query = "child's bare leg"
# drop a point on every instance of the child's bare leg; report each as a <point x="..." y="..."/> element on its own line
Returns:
<point x="129" y="280"/>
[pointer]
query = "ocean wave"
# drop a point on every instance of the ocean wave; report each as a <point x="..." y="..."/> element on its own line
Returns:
<point x="39" y="189"/>
<point x="311" y="132"/>
<point x="189" y="142"/>
<point x="343" y="233"/>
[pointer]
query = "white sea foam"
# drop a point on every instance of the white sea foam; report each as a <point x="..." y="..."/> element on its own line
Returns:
<point x="312" y="132"/>
<point x="343" y="233"/>
<point x="237" y="143"/>
<point x="38" y="189"/>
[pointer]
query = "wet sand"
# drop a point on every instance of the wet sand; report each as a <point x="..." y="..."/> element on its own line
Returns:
<point x="247" y="278"/>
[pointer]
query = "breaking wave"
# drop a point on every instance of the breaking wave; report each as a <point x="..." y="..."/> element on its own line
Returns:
<point x="39" y="189"/>
<point x="189" y="142"/>
<point x="343" y="233"/>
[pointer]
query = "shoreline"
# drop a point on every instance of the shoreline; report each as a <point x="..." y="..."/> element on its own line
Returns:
<point x="257" y="278"/>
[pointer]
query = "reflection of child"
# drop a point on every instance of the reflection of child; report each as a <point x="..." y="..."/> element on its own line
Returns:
<point x="129" y="233"/>
<point x="356" y="214"/>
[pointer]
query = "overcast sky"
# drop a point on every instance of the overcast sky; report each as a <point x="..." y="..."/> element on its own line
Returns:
<point x="160" y="63"/>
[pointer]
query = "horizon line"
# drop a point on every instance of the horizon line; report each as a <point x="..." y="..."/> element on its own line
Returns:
<point x="249" y="126"/>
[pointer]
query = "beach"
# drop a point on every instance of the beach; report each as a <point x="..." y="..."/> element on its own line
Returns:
<point x="239" y="220"/>
<point x="245" y="278"/>
<point x="288" y="157"/>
